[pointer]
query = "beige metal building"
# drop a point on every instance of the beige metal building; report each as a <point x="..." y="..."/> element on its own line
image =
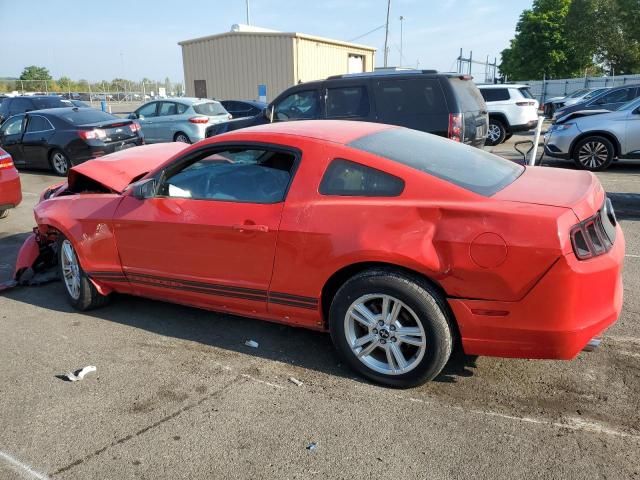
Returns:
<point x="231" y="65"/>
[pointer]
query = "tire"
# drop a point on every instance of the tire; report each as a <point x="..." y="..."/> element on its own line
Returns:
<point x="593" y="153"/>
<point x="59" y="162"/>
<point x="507" y="136"/>
<point x="83" y="296"/>
<point x="4" y="213"/>
<point x="181" y="137"/>
<point x="427" y="340"/>
<point x="496" y="133"/>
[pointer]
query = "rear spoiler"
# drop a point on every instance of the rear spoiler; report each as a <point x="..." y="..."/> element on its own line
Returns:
<point x="580" y="113"/>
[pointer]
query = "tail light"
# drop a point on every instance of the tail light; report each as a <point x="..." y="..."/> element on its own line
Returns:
<point x="455" y="127"/>
<point x="526" y="104"/>
<point x="95" y="134"/>
<point x="5" y="160"/>
<point x="134" y="127"/>
<point x="590" y="238"/>
<point x="199" y="119"/>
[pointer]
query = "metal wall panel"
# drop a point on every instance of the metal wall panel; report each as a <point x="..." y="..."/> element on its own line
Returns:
<point x="317" y="60"/>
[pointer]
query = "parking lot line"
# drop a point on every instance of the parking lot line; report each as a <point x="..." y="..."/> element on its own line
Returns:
<point x="632" y="256"/>
<point x="22" y="466"/>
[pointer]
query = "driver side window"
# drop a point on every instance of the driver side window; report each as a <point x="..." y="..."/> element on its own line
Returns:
<point x="148" y="110"/>
<point x="298" y="106"/>
<point x="246" y="175"/>
<point x="13" y="126"/>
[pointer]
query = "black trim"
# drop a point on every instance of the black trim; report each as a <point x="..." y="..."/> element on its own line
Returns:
<point x="252" y="294"/>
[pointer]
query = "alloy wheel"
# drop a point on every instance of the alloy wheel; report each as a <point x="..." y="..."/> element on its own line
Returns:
<point x="385" y="334"/>
<point x="70" y="269"/>
<point x="181" y="137"/>
<point x="593" y="154"/>
<point x="59" y="162"/>
<point x="493" y="133"/>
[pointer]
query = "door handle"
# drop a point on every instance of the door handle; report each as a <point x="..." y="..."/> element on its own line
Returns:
<point x="250" y="228"/>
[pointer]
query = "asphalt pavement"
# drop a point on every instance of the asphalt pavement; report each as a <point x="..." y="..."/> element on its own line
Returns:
<point x="177" y="394"/>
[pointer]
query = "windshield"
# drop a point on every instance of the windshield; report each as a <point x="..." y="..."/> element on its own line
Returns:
<point x="594" y="93"/>
<point x="630" y="105"/>
<point x="84" y="116"/>
<point x="467" y="167"/>
<point x="578" y="93"/>
<point x="210" y="109"/>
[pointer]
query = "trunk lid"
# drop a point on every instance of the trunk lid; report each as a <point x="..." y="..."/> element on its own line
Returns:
<point x="117" y="170"/>
<point x="578" y="190"/>
<point x="114" y="131"/>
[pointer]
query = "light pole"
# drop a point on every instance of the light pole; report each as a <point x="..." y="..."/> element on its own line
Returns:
<point x="386" y="34"/>
<point x="401" y="20"/>
<point x="248" y="16"/>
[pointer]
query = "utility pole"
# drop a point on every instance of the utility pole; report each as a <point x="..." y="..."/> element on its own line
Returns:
<point x="248" y="14"/>
<point x="401" y="20"/>
<point x="386" y="34"/>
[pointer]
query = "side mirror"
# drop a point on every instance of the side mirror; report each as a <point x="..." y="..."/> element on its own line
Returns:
<point x="133" y="115"/>
<point x="144" y="189"/>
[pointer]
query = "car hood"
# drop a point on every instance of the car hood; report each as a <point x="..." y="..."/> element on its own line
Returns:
<point x="579" y="113"/>
<point x="117" y="170"/>
<point x="578" y="190"/>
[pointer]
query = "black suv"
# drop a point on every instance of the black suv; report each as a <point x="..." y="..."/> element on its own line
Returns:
<point x="13" y="105"/>
<point x="445" y="104"/>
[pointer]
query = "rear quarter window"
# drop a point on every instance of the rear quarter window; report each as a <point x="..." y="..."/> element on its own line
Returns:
<point x="351" y="179"/>
<point x="401" y="97"/>
<point x="470" y="168"/>
<point x="495" y="94"/>
<point x="468" y="95"/>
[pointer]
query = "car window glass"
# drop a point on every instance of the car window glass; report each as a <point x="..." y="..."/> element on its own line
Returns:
<point x="167" y="108"/>
<point x="210" y="109"/>
<point x="21" y="104"/>
<point x="467" y="167"/>
<point x="148" y="110"/>
<point x="525" y="92"/>
<point x="616" y="96"/>
<point x="495" y="94"/>
<point x="347" y="178"/>
<point x="397" y="100"/>
<point x="38" y="124"/>
<point x="238" y="175"/>
<point x="13" y="126"/>
<point x="298" y="106"/>
<point x="468" y="94"/>
<point x="347" y="102"/>
<point x="181" y="108"/>
<point x="85" y="116"/>
<point x="50" y="102"/>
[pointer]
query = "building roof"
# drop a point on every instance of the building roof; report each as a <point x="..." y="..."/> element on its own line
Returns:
<point x="260" y="33"/>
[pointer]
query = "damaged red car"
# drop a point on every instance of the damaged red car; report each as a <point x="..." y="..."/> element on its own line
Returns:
<point x="401" y="244"/>
<point x="10" y="188"/>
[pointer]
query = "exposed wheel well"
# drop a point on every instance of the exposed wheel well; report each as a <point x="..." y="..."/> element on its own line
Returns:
<point x="502" y="118"/>
<point x="341" y="276"/>
<point x="609" y="136"/>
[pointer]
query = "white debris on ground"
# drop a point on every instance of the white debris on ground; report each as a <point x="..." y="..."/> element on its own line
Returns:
<point x="251" y="343"/>
<point x="295" y="381"/>
<point x="79" y="374"/>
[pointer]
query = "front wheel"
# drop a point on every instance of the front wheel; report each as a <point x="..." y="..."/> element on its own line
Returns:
<point x="593" y="153"/>
<point x="391" y="328"/>
<point x="496" y="133"/>
<point x="81" y="293"/>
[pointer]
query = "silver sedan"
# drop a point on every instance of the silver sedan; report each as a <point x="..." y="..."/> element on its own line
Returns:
<point x="594" y="138"/>
<point x="178" y="119"/>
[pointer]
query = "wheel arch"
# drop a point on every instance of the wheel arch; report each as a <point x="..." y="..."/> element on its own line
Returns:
<point x="597" y="133"/>
<point x="500" y="116"/>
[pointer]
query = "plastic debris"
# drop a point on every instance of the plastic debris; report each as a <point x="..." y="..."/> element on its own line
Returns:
<point x="295" y="381"/>
<point x="78" y="374"/>
<point x="312" y="446"/>
<point x="251" y="343"/>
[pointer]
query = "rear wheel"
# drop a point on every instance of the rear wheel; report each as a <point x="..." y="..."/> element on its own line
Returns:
<point x="181" y="137"/>
<point x="593" y="153"/>
<point x="81" y="293"/>
<point x="496" y="133"/>
<point x="391" y="328"/>
<point x="59" y="163"/>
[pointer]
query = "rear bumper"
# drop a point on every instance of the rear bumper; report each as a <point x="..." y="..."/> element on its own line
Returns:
<point x="10" y="190"/>
<point x="524" y="127"/>
<point x="573" y="303"/>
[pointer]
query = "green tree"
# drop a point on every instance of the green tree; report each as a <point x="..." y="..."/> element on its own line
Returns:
<point x="541" y="46"/>
<point x="34" y="72"/>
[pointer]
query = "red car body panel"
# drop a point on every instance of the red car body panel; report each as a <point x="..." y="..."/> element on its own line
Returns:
<point x="10" y="188"/>
<point x="504" y="262"/>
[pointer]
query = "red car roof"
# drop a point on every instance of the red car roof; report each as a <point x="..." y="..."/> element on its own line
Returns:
<point x="338" y="131"/>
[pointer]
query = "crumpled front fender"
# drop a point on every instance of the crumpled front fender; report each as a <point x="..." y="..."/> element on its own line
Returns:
<point x="27" y="256"/>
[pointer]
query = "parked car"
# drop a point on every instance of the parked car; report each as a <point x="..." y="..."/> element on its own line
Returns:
<point x="13" y="105"/>
<point x="80" y="104"/>
<point x="10" y="190"/>
<point x="413" y="244"/>
<point x="609" y="99"/>
<point x="243" y="108"/>
<point x="511" y="108"/>
<point x="445" y="104"/>
<point x="595" y="138"/>
<point x="581" y="95"/>
<point x="178" y="119"/>
<point x="62" y="137"/>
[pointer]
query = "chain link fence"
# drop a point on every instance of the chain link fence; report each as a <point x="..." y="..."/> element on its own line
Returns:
<point x="545" y="89"/>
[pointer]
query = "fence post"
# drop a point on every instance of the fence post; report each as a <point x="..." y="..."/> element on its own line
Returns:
<point x="544" y="88"/>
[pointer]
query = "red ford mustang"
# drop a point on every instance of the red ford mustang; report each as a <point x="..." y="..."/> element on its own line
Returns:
<point x="400" y="243"/>
<point x="10" y="190"/>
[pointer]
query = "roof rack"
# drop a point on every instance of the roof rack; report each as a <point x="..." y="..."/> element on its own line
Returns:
<point x="382" y="73"/>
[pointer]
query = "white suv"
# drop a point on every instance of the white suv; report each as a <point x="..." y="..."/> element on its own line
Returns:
<point x="511" y="108"/>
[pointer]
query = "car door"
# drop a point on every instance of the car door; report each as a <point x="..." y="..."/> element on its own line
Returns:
<point x="165" y="121"/>
<point x="146" y="116"/>
<point x="11" y="138"/>
<point x="632" y="133"/>
<point x="300" y="105"/>
<point x="35" y="141"/>
<point x="349" y="100"/>
<point x="208" y="236"/>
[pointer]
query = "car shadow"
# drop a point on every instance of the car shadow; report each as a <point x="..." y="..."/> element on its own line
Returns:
<point x="295" y="346"/>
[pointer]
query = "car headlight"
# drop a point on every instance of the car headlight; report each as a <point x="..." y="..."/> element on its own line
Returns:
<point x="561" y="127"/>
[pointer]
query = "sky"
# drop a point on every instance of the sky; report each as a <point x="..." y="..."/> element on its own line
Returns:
<point x="102" y="40"/>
